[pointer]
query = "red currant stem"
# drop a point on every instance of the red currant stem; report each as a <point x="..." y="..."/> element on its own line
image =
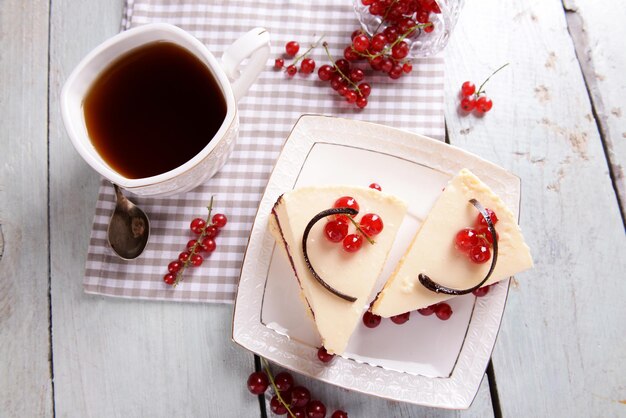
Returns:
<point x="480" y="89"/>
<point x="385" y="16"/>
<point x="397" y="41"/>
<point x="405" y="34"/>
<point x="270" y="376"/>
<point x="194" y="248"/>
<point x="330" y="57"/>
<point x="301" y="56"/>
<point x="370" y="240"/>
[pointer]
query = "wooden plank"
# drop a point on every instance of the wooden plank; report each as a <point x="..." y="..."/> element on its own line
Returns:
<point x="120" y="358"/>
<point x="560" y="351"/>
<point x="25" y="379"/>
<point x="359" y="405"/>
<point x="603" y="62"/>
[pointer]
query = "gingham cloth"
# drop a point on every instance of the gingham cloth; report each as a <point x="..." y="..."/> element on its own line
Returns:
<point x="267" y="114"/>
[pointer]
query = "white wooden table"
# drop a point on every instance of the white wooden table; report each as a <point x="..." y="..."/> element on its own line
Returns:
<point x="559" y="122"/>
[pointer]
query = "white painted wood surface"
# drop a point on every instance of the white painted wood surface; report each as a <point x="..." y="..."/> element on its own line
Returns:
<point x="561" y="349"/>
<point x="25" y="385"/>
<point x="599" y="32"/>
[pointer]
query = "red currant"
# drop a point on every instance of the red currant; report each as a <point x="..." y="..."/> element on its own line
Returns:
<point x="377" y="8"/>
<point x="197" y="225"/>
<point x="292" y="48"/>
<point x="391" y="33"/>
<point x="400" y="50"/>
<point x="401" y="319"/>
<point x="378" y="42"/>
<point x="484" y="104"/>
<point x="481" y="291"/>
<point x="191" y="244"/>
<point x="376" y="63"/>
<point x="352" y="243"/>
<point x="376" y="186"/>
<point x="351" y="96"/>
<point x="323" y="355"/>
<point x="279" y="63"/>
<point x="466" y="239"/>
<point x="315" y="409"/>
<point x="299" y="412"/>
<point x="468" y="88"/>
<point x="291" y="70"/>
<point x="361" y="43"/>
<point x="307" y="66"/>
<point x="219" y="220"/>
<point x="350" y="54"/>
<point x="396" y="72"/>
<point x="405" y="25"/>
<point x="387" y="65"/>
<point x="208" y="245"/>
<point x="211" y="231"/>
<point x="468" y="103"/>
<point x="443" y="311"/>
<point x="356" y="75"/>
<point x="371" y="224"/>
<point x="174" y="266"/>
<point x="370" y="320"/>
<point x="336" y="230"/>
<point x="277" y="406"/>
<point x="343" y="65"/>
<point x="480" y="254"/>
<point x="283" y="381"/>
<point x="346" y="202"/>
<point x="424" y="14"/>
<point x="325" y="72"/>
<point x="169" y="278"/>
<point x="482" y="222"/>
<point x="365" y="89"/>
<point x="339" y="414"/>
<point x="427" y="311"/>
<point x="196" y="260"/>
<point x="257" y="383"/>
<point x="300" y="396"/>
<point x="337" y="82"/>
<point x="361" y="102"/>
<point x="184" y="256"/>
<point x="407" y="67"/>
<point x="429" y="28"/>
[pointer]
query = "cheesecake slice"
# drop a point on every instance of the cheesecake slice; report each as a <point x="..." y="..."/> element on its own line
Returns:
<point x="352" y="274"/>
<point x="434" y="254"/>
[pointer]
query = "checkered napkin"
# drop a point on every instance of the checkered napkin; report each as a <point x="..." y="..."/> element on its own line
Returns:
<point x="267" y="113"/>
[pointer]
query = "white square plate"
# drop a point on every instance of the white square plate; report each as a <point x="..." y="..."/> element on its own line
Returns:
<point x="425" y="361"/>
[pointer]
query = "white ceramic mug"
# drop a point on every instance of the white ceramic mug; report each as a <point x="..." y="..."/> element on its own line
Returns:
<point x="234" y="84"/>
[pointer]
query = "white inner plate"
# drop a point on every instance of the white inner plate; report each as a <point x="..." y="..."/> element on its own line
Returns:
<point x="425" y="361"/>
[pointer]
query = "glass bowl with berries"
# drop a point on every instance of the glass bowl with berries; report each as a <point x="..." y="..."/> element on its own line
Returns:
<point x="423" y="27"/>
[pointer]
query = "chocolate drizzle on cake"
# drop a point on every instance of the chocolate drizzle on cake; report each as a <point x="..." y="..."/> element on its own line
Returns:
<point x="429" y="284"/>
<point x="323" y="214"/>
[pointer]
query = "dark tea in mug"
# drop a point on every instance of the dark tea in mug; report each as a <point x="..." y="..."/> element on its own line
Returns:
<point x="153" y="109"/>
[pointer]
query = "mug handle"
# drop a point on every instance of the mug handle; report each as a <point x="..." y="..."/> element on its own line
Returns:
<point x="254" y="45"/>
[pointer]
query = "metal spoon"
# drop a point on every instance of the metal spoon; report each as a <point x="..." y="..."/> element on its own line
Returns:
<point x="129" y="228"/>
